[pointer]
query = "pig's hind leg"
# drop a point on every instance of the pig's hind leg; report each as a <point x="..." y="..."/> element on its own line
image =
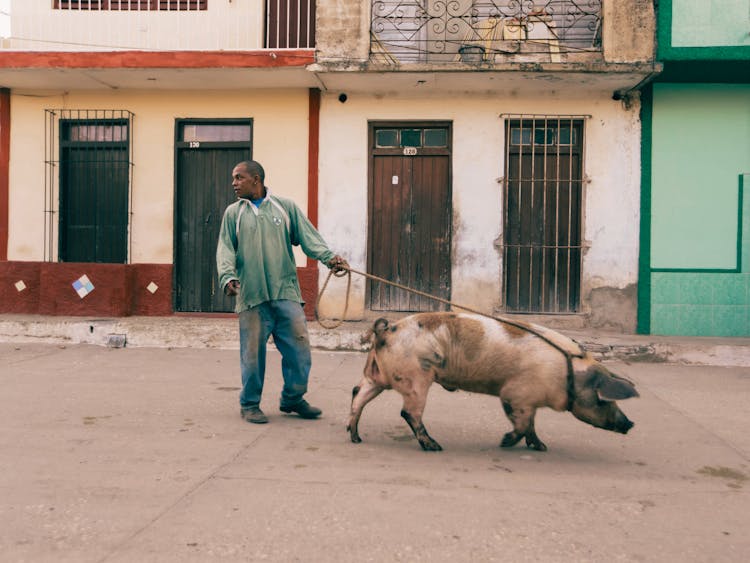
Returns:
<point x="523" y="427"/>
<point x="362" y="394"/>
<point x="414" y="402"/>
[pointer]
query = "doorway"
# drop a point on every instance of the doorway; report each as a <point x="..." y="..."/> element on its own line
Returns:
<point x="206" y="152"/>
<point x="409" y="237"/>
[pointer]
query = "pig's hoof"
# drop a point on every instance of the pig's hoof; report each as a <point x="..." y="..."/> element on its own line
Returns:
<point x="353" y="435"/>
<point x="537" y="445"/>
<point x="509" y="440"/>
<point x="431" y="446"/>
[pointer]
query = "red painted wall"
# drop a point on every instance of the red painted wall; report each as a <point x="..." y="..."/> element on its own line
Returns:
<point x="265" y="58"/>
<point x="12" y="300"/>
<point x="120" y="290"/>
<point x="4" y="170"/>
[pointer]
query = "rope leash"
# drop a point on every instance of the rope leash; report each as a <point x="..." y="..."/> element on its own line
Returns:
<point x="339" y="274"/>
<point x="348" y="273"/>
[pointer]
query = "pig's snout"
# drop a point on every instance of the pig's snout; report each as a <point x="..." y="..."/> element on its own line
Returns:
<point x="622" y="424"/>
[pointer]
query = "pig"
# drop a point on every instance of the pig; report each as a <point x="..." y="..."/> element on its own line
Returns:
<point x="526" y="365"/>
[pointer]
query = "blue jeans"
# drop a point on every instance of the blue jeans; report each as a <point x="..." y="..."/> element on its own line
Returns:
<point x="285" y="320"/>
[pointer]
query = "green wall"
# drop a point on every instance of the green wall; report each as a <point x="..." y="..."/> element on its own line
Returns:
<point x="710" y="23"/>
<point x="703" y="30"/>
<point x="701" y="144"/>
<point x="700" y="210"/>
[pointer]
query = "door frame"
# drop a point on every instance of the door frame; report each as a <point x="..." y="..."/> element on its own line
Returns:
<point x="97" y="147"/>
<point x="372" y="125"/>
<point x="182" y="146"/>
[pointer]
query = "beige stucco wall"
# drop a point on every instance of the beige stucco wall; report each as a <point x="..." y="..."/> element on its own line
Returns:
<point x="611" y="208"/>
<point x="280" y="142"/>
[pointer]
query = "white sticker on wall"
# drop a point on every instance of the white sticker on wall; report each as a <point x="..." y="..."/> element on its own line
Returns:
<point x="152" y="287"/>
<point x="394" y="180"/>
<point x="20" y="286"/>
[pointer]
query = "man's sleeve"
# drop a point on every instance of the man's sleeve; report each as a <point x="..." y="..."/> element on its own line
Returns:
<point x="308" y="237"/>
<point x="226" y="251"/>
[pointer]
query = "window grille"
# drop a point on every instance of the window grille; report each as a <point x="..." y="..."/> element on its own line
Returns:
<point x="290" y="24"/>
<point x="88" y="185"/>
<point x="543" y="199"/>
<point x="141" y="5"/>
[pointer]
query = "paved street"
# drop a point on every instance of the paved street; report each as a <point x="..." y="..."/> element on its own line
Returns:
<point x="139" y="454"/>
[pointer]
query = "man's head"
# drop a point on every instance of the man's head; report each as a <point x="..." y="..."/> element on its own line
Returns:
<point x="247" y="180"/>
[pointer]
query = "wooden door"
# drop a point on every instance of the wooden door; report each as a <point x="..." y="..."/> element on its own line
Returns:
<point x="409" y="216"/>
<point x="205" y="160"/>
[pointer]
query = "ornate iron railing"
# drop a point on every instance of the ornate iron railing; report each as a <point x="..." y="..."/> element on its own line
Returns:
<point x="483" y="31"/>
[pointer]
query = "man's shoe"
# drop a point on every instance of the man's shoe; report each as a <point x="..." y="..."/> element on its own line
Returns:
<point x="254" y="415"/>
<point x="303" y="409"/>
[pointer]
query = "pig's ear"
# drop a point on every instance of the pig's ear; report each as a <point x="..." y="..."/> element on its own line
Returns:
<point x="610" y="387"/>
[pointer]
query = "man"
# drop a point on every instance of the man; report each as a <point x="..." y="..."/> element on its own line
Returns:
<point x="256" y="264"/>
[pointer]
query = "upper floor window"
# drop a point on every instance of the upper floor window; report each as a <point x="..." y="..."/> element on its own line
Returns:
<point x="154" y="5"/>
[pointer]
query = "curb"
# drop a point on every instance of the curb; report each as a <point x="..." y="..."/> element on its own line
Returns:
<point x="221" y="333"/>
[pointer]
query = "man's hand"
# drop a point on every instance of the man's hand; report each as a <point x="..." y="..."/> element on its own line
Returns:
<point x="337" y="264"/>
<point x="232" y="287"/>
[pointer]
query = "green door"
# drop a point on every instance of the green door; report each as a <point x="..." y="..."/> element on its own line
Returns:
<point x="206" y="154"/>
<point x="94" y="186"/>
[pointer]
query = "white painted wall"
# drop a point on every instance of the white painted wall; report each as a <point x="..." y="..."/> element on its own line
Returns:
<point x="36" y="26"/>
<point x="611" y="209"/>
<point x="279" y="143"/>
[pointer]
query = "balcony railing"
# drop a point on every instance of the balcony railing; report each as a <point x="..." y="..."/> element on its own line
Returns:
<point x="483" y="31"/>
<point x="156" y="25"/>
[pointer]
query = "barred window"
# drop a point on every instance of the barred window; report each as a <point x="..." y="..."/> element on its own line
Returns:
<point x="542" y="242"/>
<point x="143" y="5"/>
<point x="88" y="185"/>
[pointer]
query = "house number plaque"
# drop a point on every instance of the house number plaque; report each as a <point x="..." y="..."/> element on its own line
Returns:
<point x="410" y="151"/>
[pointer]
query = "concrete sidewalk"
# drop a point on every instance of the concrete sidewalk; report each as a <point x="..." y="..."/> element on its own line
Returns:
<point x="181" y="331"/>
<point x="139" y="454"/>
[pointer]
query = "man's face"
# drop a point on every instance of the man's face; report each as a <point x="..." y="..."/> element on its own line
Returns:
<point x="245" y="185"/>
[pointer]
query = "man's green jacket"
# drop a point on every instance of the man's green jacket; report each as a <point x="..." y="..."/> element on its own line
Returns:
<point x="255" y="247"/>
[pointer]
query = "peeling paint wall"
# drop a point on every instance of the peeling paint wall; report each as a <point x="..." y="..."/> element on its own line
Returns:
<point x="342" y="33"/>
<point x="628" y="31"/>
<point x="611" y="208"/>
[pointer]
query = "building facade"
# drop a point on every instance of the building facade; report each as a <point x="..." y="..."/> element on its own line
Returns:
<point x="487" y="153"/>
<point x="695" y="257"/>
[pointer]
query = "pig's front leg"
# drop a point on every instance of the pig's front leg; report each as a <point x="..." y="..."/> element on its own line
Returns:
<point x="362" y="394"/>
<point x="523" y="427"/>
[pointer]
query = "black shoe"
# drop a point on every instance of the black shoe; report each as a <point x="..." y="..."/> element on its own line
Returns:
<point x="303" y="409"/>
<point x="254" y="415"/>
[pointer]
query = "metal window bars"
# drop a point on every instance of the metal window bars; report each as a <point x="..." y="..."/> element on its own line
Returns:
<point x="543" y="197"/>
<point x="88" y="183"/>
<point x="129" y="5"/>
